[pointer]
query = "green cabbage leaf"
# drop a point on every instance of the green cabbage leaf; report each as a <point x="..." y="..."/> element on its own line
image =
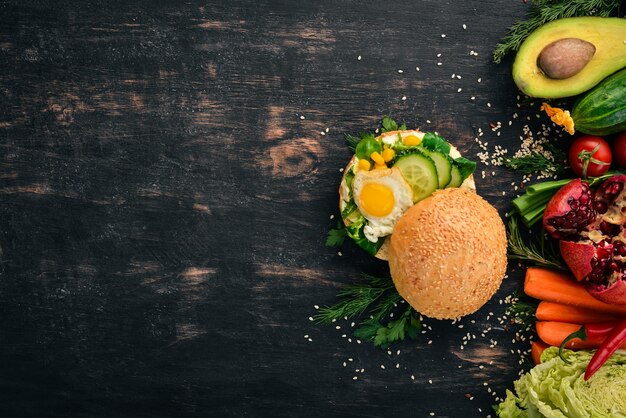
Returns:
<point x="554" y="388"/>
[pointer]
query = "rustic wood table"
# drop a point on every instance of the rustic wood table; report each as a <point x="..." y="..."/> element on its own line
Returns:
<point x="168" y="172"/>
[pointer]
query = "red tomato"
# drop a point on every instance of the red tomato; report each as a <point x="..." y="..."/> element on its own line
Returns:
<point x="619" y="149"/>
<point x="592" y="152"/>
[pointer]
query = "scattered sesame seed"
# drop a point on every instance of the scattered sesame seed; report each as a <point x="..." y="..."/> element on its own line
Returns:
<point x="339" y="253"/>
<point x="430" y="381"/>
<point x="459" y="90"/>
<point x="302" y="117"/>
<point x="354" y="378"/>
<point x="480" y="79"/>
<point x="439" y="63"/>
<point x="403" y="97"/>
<point x="412" y="377"/>
<point x="359" y="58"/>
<point x="382" y="366"/>
<point x="438" y="55"/>
<point x="443" y="35"/>
<point x="473" y="98"/>
<point x="432" y="414"/>
<point x="310" y="318"/>
<point x="417" y="68"/>
<point x="327" y="129"/>
<point x="400" y="71"/>
<point x="464" y="26"/>
<point x="322" y="133"/>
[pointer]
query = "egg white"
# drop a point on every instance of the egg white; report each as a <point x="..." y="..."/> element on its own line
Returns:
<point x="380" y="226"/>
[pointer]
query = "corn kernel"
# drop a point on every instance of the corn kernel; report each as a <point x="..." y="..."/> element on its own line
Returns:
<point x="378" y="159"/>
<point x="365" y="165"/>
<point x="412" y="140"/>
<point x="388" y="154"/>
<point x="380" y="166"/>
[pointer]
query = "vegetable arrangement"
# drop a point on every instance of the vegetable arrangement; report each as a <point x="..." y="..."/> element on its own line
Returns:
<point x="578" y="223"/>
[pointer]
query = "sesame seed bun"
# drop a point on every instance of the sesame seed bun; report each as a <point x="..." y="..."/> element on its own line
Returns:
<point x="382" y="253"/>
<point x="447" y="254"/>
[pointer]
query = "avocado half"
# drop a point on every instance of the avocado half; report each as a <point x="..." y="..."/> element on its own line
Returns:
<point x="607" y="34"/>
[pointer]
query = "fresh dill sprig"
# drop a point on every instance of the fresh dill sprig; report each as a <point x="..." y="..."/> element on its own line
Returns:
<point x="552" y="162"/>
<point x="352" y="141"/>
<point x="522" y="311"/>
<point x="378" y="297"/>
<point x="529" y="251"/>
<point x="355" y="299"/>
<point x="544" y="11"/>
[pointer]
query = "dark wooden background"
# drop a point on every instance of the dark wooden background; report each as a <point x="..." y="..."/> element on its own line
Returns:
<point x="165" y="193"/>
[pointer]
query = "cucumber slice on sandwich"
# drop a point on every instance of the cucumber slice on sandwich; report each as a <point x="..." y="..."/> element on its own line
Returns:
<point x="444" y="166"/>
<point x="420" y="172"/>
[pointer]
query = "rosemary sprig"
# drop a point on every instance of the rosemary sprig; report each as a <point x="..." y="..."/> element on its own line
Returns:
<point x="379" y="297"/>
<point x="530" y="251"/>
<point x="544" y="11"/>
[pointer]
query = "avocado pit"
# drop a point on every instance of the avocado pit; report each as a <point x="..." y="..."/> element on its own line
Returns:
<point x="565" y="58"/>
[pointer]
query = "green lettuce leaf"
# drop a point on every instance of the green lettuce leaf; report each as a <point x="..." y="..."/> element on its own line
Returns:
<point x="434" y="142"/>
<point x="355" y="231"/>
<point x="557" y="389"/>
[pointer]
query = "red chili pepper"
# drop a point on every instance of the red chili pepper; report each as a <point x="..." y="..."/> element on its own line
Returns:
<point x="610" y="344"/>
<point x="595" y="331"/>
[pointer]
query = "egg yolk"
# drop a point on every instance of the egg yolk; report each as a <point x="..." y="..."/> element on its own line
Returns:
<point x="376" y="199"/>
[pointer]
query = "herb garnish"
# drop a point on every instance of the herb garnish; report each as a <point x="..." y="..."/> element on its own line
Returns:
<point x="550" y="162"/>
<point x="544" y="11"/>
<point x="378" y="297"/>
<point x="522" y="311"/>
<point x="536" y="253"/>
<point x="336" y="237"/>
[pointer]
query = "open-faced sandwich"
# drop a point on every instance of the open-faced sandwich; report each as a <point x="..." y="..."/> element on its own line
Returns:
<point x="390" y="173"/>
<point x="409" y="197"/>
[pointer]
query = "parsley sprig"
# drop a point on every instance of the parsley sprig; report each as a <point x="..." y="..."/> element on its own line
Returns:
<point x="544" y="11"/>
<point x="336" y="236"/>
<point x="377" y="297"/>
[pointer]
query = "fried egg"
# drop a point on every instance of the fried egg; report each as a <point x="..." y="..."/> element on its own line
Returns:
<point x="382" y="196"/>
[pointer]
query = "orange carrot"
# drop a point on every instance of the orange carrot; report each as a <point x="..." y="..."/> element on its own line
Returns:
<point x="553" y="333"/>
<point x="559" y="287"/>
<point x="536" y="348"/>
<point x="551" y="311"/>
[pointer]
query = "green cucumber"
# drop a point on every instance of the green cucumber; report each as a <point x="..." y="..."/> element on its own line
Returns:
<point x="602" y="110"/>
<point x="420" y="172"/>
<point x="456" y="177"/>
<point x="444" y="167"/>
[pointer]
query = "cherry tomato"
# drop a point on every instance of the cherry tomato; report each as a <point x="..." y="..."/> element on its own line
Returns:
<point x="589" y="156"/>
<point x="619" y="149"/>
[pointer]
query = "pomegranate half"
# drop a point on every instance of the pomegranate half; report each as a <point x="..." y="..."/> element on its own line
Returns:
<point x="591" y="228"/>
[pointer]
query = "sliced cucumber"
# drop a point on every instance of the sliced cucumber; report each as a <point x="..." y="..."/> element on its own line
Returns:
<point x="444" y="167"/>
<point x="420" y="172"/>
<point x="456" y="177"/>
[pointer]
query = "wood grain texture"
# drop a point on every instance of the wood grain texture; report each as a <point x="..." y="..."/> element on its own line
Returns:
<point x="165" y="192"/>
